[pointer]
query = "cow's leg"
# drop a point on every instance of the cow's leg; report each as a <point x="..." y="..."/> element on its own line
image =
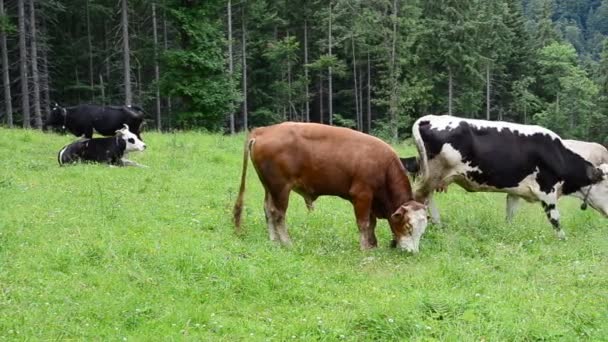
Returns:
<point x="362" y="204"/>
<point x="550" y="206"/>
<point x="433" y="210"/>
<point x="372" y="229"/>
<point x="88" y="132"/>
<point x="127" y="162"/>
<point x="512" y="204"/>
<point x="272" y="231"/>
<point x="280" y="201"/>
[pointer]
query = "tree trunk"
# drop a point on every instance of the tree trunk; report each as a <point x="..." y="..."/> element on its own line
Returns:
<point x="166" y="47"/>
<point x="126" y="54"/>
<point x="488" y="91"/>
<point x="329" y="78"/>
<point x="35" y="75"/>
<point x="90" y="46"/>
<point x="230" y="60"/>
<point x="355" y="91"/>
<point x="156" y="68"/>
<point x="361" y="99"/>
<point x="108" y="70"/>
<point x="44" y="73"/>
<point x="25" y="99"/>
<point x="291" y="113"/>
<point x="321" y="98"/>
<point x="139" y="88"/>
<point x="393" y="101"/>
<point x="244" y="48"/>
<point x="103" y="90"/>
<point x="307" y="103"/>
<point x="450" y="91"/>
<point x="369" y="95"/>
<point x="77" y="81"/>
<point x="6" y="81"/>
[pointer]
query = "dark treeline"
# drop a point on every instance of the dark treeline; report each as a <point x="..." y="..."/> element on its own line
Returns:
<point x="370" y="65"/>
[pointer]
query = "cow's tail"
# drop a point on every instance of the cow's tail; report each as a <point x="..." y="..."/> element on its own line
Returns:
<point x="423" y="161"/>
<point x="238" y="206"/>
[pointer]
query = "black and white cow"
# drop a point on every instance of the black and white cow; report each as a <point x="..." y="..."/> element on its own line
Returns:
<point x="524" y="161"/>
<point x="83" y="119"/>
<point x="110" y="150"/>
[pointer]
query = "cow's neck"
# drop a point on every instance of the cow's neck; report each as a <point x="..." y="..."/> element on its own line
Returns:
<point x="576" y="173"/>
<point x="398" y="187"/>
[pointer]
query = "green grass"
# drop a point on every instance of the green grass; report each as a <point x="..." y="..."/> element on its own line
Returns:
<point x="93" y="252"/>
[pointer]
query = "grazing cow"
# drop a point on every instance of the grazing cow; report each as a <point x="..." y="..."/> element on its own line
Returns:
<point x="528" y="162"/>
<point x="81" y="120"/>
<point x="111" y="150"/>
<point x="315" y="160"/>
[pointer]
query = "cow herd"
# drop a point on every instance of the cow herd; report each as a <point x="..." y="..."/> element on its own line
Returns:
<point x="121" y="123"/>
<point x="524" y="161"/>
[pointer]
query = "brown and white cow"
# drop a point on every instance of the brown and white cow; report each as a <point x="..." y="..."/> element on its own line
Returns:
<point x="316" y="160"/>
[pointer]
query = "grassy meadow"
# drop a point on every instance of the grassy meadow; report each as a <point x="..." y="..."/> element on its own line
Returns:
<point x="90" y="252"/>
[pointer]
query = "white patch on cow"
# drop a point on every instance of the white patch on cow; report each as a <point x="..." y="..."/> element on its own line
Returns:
<point x="554" y="214"/>
<point x="551" y="197"/>
<point x="451" y="160"/>
<point x="132" y="141"/>
<point x="418" y="221"/>
<point x="442" y="122"/>
<point x="60" y="157"/>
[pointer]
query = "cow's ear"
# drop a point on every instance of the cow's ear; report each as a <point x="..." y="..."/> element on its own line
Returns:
<point x="413" y="206"/>
<point x="398" y="214"/>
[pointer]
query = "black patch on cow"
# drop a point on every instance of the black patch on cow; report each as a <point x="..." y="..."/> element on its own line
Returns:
<point x="548" y="207"/>
<point x="506" y="157"/>
<point x="411" y="164"/>
<point x="554" y="223"/>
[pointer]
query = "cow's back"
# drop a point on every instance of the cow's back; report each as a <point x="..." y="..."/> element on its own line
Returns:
<point x="595" y="153"/>
<point x="320" y="159"/>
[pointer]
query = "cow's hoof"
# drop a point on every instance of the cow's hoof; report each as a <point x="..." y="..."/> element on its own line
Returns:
<point x="561" y="235"/>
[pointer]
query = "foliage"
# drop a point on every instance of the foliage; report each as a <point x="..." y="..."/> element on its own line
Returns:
<point x="196" y="72"/>
<point x="571" y="94"/>
<point x="390" y="60"/>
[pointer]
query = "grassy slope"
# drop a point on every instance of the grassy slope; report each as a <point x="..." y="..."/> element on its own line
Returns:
<point x="90" y="251"/>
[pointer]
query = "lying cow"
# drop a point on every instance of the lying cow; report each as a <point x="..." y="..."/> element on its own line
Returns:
<point x="315" y="160"/>
<point x="83" y="119"/>
<point x="111" y="150"/>
<point x="528" y="162"/>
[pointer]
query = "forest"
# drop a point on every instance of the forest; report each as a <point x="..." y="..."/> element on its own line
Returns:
<point x="374" y="66"/>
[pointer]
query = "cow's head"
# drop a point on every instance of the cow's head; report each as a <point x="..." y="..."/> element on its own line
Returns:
<point x="410" y="218"/>
<point x="56" y="117"/>
<point x="597" y="194"/>
<point x="132" y="141"/>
